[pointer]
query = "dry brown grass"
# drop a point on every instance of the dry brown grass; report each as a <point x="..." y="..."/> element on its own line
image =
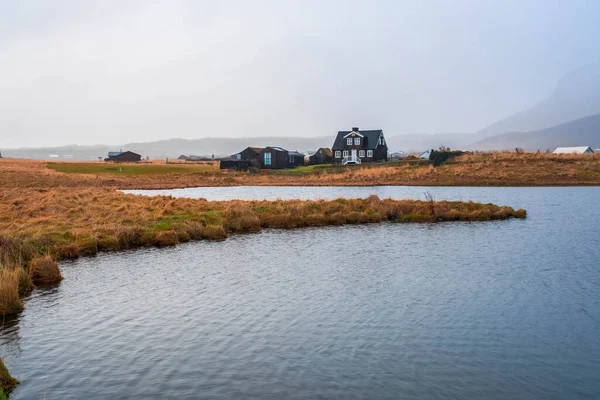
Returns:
<point x="10" y="303"/>
<point x="44" y="270"/>
<point x="46" y="216"/>
<point x="485" y="169"/>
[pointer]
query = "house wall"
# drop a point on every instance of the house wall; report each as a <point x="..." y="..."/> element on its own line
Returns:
<point x="251" y="156"/>
<point x="379" y="154"/>
<point x="279" y="159"/>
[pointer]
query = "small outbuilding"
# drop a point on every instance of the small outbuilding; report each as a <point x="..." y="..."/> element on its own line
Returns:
<point x="249" y="154"/>
<point x="295" y="159"/>
<point x="123" y="156"/>
<point x="274" y="158"/>
<point x="322" y="156"/>
<point x="573" y="150"/>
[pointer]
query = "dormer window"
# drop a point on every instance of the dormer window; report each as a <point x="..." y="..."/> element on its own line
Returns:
<point x="357" y="141"/>
<point x="349" y="141"/>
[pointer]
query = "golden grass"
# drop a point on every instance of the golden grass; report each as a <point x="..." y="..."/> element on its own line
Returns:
<point x="44" y="270"/>
<point x="485" y="169"/>
<point x="47" y="216"/>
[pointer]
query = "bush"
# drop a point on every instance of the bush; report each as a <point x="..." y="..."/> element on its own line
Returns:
<point x="44" y="270"/>
<point x="438" y="157"/>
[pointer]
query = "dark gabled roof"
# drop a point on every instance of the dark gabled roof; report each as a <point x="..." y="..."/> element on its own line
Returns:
<point x="114" y="153"/>
<point x="275" y="148"/>
<point x="295" y="153"/>
<point x="370" y="139"/>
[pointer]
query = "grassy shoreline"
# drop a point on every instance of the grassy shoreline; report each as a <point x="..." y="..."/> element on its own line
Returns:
<point x="40" y="227"/>
<point x="47" y="216"/>
<point x="496" y="169"/>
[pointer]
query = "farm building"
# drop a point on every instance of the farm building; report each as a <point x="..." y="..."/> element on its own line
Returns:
<point x="250" y="154"/>
<point x="573" y="150"/>
<point x="295" y="159"/>
<point x="356" y="146"/>
<point x="273" y="158"/>
<point x="123" y="156"/>
<point x="322" y="156"/>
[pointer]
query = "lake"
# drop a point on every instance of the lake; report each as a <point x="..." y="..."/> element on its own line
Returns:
<point x="486" y="310"/>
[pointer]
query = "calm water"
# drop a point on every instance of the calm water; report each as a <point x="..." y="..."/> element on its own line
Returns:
<point x="498" y="310"/>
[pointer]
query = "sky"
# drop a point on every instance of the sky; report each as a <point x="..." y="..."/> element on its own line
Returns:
<point x="121" y="71"/>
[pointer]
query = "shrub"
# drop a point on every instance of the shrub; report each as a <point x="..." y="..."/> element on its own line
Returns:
<point x="9" y="292"/>
<point x="438" y="157"/>
<point x="44" y="270"/>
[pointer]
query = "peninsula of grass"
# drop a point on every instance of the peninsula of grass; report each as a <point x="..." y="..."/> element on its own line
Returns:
<point x="41" y="226"/>
<point x="7" y="382"/>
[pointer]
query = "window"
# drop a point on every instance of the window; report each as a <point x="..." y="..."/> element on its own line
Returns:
<point x="267" y="158"/>
<point x="357" y="141"/>
<point x="345" y="153"/>
<point x="361" y="153"/>
<point x="338" y="154"/>
<point x="381" y="140"/>
<point x="369" y="153"/>
<point x="349" y="141"/>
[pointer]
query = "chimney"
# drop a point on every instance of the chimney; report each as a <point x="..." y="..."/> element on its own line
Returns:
<point x="355" y="129"/>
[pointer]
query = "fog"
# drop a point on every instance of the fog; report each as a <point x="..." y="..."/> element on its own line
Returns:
<point x="83" y="72"/>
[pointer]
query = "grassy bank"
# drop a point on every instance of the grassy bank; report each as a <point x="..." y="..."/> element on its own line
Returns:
<point x="39" y="226"/>
<point x="7" y="382"/>
<point x="496" y="169"/>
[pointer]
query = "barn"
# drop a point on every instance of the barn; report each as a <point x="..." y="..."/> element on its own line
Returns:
<point x="123" y="156"/>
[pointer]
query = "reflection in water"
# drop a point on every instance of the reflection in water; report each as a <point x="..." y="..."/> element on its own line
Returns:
<point x="490" y="310"/>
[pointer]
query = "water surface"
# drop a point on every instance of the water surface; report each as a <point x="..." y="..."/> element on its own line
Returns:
<point x="492" y="310"/>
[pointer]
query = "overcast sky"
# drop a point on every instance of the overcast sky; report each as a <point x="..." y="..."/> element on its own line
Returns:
<point x="87" y="72"/>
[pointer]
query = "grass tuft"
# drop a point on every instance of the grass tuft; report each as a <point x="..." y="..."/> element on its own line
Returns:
<point x="44" y="270"/>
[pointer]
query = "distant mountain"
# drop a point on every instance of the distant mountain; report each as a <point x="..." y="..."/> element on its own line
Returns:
<point x="581" y="132"/>
<point x="220" y="147"/>
<point x="577" y="95"/>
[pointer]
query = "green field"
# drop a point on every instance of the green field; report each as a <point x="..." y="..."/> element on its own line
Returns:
<point x="130" y="169"/>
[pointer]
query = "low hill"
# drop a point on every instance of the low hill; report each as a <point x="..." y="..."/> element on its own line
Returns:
<point x="577" y="95"/>
<point x="580" y="132"/>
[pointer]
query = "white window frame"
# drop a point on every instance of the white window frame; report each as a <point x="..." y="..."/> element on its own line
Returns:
<point x="361" y="153"/>
<point x="357" y="141"/>
<point x="267" y="158"/>
<point x="349" y="141"/>
<point x="338" y="154"/>
<point x="345" y="153"/>
<point x="381" y="140"/>
<point x="369" y="153"/>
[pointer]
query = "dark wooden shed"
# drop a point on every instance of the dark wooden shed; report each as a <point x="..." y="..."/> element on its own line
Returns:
<point x="295" y="159"/>
<point x="123" y="156"/>
<point x="323" y="156"/>
<point x="249" y="154"/>
<point x="273" y="158"/>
